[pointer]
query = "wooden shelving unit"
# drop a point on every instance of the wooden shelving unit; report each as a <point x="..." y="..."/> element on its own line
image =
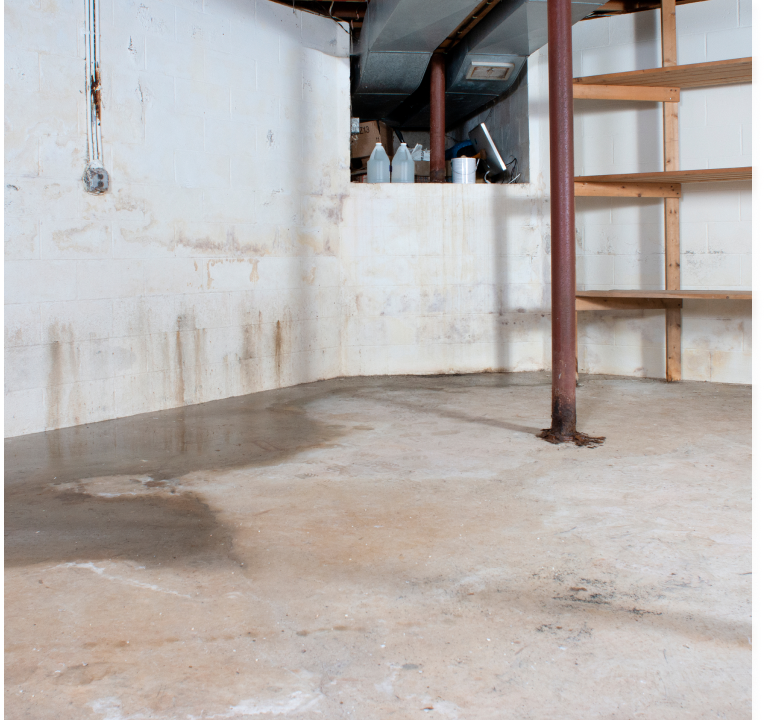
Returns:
<point x="664" y="85"/>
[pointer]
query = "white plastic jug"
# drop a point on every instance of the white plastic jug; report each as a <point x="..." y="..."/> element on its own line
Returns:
<point x="403" y="166"/>
<point x="378" y="166"/>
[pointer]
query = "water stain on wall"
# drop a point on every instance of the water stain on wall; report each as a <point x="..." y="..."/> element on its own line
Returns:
<point x="63" y="401"/>
<point x="180" y="382"/>
<point x="250" y="337"/>
<point x="190" y="237"/>
<point x="87" y="239"/>
<point x="277" y="351"/>
<point x="53" y="395"/>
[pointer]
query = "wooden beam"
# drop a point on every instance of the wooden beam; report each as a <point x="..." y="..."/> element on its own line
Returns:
<point x="585" y="303"/>
<point x="599" y="189"/>
<point x="474" y="17"/>
<point x="668" y="32"/>
<point x="671" y="227"/>
<point x="625" y="92"/>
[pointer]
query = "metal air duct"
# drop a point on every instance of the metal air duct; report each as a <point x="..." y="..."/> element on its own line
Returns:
<point x="397" y="40"/>
<point x="510" y="33"/>
<point x="480" y="68"/>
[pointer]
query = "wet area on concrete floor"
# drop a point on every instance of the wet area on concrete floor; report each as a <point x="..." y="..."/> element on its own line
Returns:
<point x="386" y="547"/>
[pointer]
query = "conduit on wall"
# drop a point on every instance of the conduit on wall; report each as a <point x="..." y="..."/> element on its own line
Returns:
<point x="96" y="178"/>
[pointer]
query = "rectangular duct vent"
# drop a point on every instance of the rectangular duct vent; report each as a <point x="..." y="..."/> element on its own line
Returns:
<point x="480" y="70"/>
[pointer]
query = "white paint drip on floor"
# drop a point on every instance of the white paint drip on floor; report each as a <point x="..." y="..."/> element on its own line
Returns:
<point x="111" y="709"/>
<point x="296" y="702"/>
<point x="116" y="578"/>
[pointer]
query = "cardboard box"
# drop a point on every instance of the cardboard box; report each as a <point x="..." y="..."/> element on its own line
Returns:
<point x="362" y="144"/>
<point x="422" y="167"/>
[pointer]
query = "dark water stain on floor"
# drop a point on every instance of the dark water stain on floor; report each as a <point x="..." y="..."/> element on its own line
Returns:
<point x="259" y="429"/>
<point x="50" y="526"/>
<point x="47" y="521"/>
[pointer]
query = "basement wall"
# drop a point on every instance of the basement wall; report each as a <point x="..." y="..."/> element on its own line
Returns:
<point x="233" y="255"/>
<point x="210" y="268"/>
<point x="620" y="240"/>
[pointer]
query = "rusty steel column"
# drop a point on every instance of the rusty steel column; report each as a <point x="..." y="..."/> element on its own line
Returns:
<point x="563" y="227"/>
<point x="438" y="118"/>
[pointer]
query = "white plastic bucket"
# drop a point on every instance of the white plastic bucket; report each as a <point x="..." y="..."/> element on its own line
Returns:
<point x="463" y="170"/>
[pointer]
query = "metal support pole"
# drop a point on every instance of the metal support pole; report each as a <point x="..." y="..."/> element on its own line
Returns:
<point x="438" y="118"/>
<point x="563" y="228"/>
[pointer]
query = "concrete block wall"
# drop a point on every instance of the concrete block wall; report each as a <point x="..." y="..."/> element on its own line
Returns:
<point x="211" y="267"/>
<point x="441" y="279"/>
<point x="232" y="254"/>
<point x="621" y="240"/>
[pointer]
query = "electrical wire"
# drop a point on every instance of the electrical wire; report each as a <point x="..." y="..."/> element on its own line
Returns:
<point x="337" y="20"/>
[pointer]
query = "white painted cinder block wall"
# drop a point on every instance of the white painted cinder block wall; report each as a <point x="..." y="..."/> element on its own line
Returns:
<point x="620" y="241"/>
<point x="210" y="268"/>
<point x="233" y="255"/>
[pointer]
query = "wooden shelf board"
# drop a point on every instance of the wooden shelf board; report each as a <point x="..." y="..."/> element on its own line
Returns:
<point x="721" y="72"/>
<point x="626" y="189"/>
<point x="638" y="93"/>
<point x="668" y="294"/>
<point x="676" y="176"/>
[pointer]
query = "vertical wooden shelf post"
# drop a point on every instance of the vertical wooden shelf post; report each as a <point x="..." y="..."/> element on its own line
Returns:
<point x="671" y="205"/>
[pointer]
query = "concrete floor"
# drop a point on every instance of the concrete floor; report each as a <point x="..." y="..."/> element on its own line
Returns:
<point x="386" y="547"/>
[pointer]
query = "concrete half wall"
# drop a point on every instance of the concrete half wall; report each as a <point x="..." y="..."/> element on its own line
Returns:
<point x="233" y="255"/>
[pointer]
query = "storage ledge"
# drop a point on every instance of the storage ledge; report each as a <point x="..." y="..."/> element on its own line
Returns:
<point x="650" y="299"/>
<point x="708" y="74"/>
<point x="654" y="184"/>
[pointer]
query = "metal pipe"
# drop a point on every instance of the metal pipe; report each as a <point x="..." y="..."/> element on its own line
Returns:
<point x="89" y="76"/>
<point x="563" y="219"/>
<point x="438" y="118"/>
<point x="97" y="74"/>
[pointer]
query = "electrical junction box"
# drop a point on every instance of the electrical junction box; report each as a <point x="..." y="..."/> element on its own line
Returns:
<point x="96" y="179"/>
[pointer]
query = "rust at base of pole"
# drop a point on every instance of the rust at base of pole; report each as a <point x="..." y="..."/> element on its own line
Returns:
<point x="563" y="228"/>
<point x="438" y="118"/>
